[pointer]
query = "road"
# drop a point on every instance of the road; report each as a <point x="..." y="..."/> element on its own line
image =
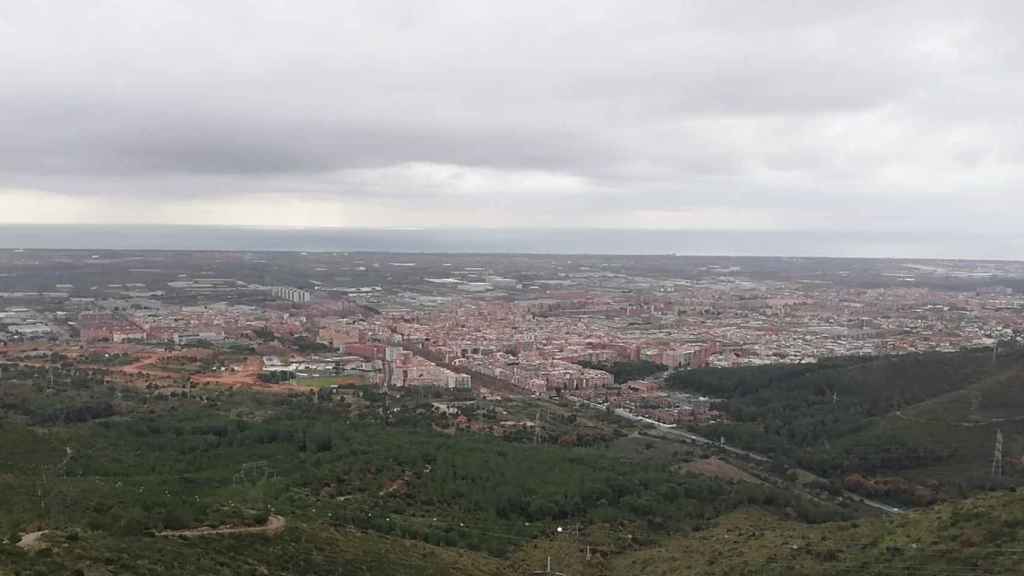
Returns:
<point x="673" y="431"/>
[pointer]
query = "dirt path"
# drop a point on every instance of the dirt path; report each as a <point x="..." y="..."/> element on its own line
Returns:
<point x="275" y="525"/>
<point x="965" y="424"/>
<point x="247" y="374"/>
<point x="718" y="468"/>
<point x="145" y="366"/>
<point x="33" y="541"/>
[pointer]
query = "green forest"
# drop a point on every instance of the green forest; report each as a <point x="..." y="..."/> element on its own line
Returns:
<point x="105" y="466"/>
<point x="626" y="370"/>
<point x="102" y="473"/>
<point x="863" y="415"/>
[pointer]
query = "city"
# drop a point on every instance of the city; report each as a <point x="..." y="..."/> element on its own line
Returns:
<point x="547" y="327"/>
<point x="485" y="288"/>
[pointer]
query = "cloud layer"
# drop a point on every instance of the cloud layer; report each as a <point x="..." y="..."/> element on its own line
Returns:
<point x="726" y="115"/>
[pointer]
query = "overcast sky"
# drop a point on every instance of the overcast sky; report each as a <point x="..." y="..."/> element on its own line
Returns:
<point x="753" y="115"/>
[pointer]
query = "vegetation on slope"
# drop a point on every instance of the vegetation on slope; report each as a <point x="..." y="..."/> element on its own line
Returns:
<point x="920" y="416"/>
<point x="626" y="370"/>
<point x="977" y="536"/>
<point x="106" y="483"/>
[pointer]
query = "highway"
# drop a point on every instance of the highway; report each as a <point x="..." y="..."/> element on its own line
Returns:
<point x="670" y="430"/>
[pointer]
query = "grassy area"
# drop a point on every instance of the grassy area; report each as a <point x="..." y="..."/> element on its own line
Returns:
<point x="327" y="381"/>
<point x="979" y="536"/>
<point x="299" y="550"/>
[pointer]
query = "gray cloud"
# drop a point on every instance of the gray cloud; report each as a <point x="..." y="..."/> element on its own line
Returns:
<point x="847" y="114"/>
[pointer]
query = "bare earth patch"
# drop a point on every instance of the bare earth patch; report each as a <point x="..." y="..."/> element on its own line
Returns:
<point x="33" y="541"/>
<point x="717" y="468"/>
<point x="275" y="525"/>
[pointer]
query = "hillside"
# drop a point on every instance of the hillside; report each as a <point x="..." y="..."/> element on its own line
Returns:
<point x="299" y="550"/>
<point x="926" y="419"/>
<point x="960" y="427"/>
<point x="101" y="480"/>
<point x="103" y="472"/>
<point x="977" y="536"/>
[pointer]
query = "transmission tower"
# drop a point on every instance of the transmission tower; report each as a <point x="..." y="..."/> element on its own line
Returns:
<point x="390" y="360"/>
<point x="385" y="384"/>
<point x="997" y="457"/>
<point x="547" y="571"/>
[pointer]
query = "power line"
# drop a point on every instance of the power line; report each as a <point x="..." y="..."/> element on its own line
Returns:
<point x="548" y="570"/>
<point x="997" y="457"/>
<point x="536" y="428"/>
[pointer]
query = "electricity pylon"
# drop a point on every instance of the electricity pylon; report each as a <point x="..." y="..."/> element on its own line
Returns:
<point x="997" y="457"/>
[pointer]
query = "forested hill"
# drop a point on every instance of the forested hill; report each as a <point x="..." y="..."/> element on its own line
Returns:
<point x="920" y="417"/>
<point x="100" y="480"/>
<point x="101" y="475"/>
<point x="871" y="386"/>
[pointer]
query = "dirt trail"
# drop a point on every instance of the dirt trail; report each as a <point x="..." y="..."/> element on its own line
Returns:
<point x="33" y="541"/>
<point x="963" y="424"/>
<point x="718" y="468"/>
<point x="247" y="374"/>
<point x="145" y="365"/>
<point x="275" y="525"/>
